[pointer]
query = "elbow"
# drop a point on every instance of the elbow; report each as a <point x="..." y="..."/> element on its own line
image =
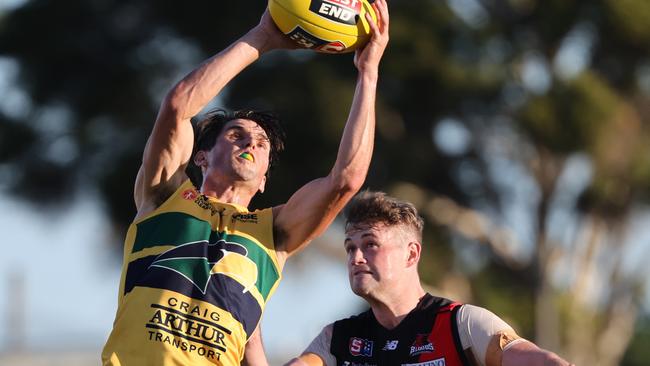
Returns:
<point x="348" y="183"/>
<point x="171" y="103"/>
<point x="354" y="185"/>
<point x="175" y="101"/>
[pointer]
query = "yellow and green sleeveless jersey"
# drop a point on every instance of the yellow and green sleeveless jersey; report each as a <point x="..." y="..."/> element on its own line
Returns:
<point x="195" y="280"/>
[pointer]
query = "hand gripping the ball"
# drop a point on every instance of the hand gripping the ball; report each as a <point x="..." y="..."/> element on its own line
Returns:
<point x="327" y="26"/>
<point x="270" y="36"/>
<point x="368" y="57"/>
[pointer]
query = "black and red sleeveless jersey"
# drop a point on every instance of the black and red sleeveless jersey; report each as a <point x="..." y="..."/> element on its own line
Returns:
<point x="427" y="336"/>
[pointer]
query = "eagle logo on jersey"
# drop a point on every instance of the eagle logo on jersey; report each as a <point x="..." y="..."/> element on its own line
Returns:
<point x="422" y="344"/>
<point x="199" y="261"/>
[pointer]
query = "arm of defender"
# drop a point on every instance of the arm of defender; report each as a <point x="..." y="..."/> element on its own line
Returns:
<point x="527" y="353"/>
<point x="169" y="147"/>
<point x="492" y="342"/>
<point x="483" y="335"/>
<point x="318" y="351"/>
<point x="254" y="351"/>
<point x="313" y="207"/>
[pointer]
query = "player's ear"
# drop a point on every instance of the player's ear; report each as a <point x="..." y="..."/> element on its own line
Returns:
<point x="201" y="160"/>
<point x="413" y="253"/>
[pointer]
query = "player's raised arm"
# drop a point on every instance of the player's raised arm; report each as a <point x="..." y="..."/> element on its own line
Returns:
<point x="314" y="206"/>
<point x="169" y="147"/>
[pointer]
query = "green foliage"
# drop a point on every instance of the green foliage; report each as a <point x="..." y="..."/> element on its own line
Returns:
<point x="495" y="289"/>
<point x="544" y="123"/>
<point x="640" y="170"/>
<point x="630" y="18"/>
<point x="638" y="353"/>
<point x="591" y="105"/>
<point x="572" y="116"/>
<point x="437" y="257"/>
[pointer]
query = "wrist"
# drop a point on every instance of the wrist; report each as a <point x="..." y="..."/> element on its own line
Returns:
<point x="257" y="39"/>
<point x="368" y="75"/>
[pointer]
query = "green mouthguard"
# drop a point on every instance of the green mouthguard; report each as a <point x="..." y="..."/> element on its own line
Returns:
<point x="247" y="156"/>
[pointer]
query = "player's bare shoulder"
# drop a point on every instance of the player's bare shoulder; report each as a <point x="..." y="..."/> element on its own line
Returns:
<point x="148" y="199"/>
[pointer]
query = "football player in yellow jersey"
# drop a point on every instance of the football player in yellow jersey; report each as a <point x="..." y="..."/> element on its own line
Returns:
<point x="197" y="263"/>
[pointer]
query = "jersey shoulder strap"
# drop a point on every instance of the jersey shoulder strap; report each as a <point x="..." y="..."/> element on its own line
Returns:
<point x="466" y="357"/>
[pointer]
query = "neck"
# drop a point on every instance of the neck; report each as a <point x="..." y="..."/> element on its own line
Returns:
<point x="391" y="310"/>
<point x="229" y="193"/>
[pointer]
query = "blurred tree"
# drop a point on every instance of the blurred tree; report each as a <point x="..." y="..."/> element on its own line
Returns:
<point x="544" y="89"/>
<point x="637" y="354"/>
<point x="522" y="126"/>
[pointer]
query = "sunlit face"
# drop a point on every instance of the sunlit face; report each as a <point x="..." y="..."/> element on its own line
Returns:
<point x="377" y="258"/>
<point x="240" y="152"/>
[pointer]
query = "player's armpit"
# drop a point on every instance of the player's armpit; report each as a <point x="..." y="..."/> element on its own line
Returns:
<point x="306" y="359"/>
<point x="498" y="343"/>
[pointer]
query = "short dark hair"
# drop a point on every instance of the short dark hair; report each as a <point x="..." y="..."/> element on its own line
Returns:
<point x="371" y="208"/>
<point x="210" y="126"/>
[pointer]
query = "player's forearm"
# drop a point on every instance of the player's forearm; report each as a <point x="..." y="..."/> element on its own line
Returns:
<point x="189" y="96"/>
<point x="527" y="353"/>
<point x="355" y="150"/>
<point x="254" y="351"/>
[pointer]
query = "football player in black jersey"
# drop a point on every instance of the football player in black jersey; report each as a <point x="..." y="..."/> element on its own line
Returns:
<point x="406" y="325"/>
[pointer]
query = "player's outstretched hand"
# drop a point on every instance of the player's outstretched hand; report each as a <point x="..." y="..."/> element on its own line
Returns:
<point x="271" y="37"/>
<point x="368" y="57"/>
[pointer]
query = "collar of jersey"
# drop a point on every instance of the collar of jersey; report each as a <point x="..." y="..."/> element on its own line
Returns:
<point x="237" y="207"/>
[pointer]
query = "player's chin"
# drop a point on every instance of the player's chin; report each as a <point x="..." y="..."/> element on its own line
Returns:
<point x="360" y="288"/>
<point x="247" y="172"/>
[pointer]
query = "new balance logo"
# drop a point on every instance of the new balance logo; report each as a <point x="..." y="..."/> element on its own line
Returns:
<point x="390" y="346"/>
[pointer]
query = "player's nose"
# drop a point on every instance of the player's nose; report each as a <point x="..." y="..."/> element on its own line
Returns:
<point x="356" y="257"/>
<point x="247" y="142"/>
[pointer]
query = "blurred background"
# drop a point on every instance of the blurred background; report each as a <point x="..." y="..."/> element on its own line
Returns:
<point x="519" y="128"/>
